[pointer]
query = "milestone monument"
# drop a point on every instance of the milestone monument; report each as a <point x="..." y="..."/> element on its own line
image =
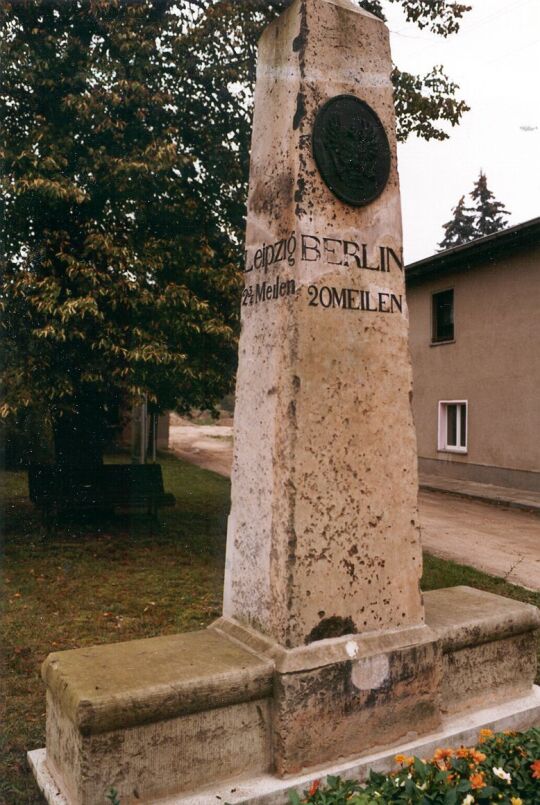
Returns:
<point x="327" y="657"/>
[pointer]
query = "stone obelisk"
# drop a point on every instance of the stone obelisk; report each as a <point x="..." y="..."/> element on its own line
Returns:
<point x="323" y="653"/>
<point x="323" y="533"/>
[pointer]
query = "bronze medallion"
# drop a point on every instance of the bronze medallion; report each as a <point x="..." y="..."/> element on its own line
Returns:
<point x="351" y="150"/>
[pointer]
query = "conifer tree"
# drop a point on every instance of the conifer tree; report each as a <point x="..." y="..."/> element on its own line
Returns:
<point x="486" y="217"/>
<point x="125" y="164"/>
<point x="461" y="228"/>
<point x="490" y="215"/>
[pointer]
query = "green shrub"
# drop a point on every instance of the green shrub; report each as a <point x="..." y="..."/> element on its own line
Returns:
<point x="504" y="768"/>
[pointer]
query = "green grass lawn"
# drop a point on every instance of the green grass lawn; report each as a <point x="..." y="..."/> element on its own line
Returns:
<point x="111" y="581"/>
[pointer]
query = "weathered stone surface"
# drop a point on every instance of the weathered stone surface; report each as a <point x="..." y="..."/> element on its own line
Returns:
<point x="123" y="684"/>
<point x="267" y="789"/>
<point x="156" y="716"/>
<point x="344" y="709"/>
<point x="337" y="697"/>
<point x="488" y="645"/>
<point x="153" y="760"/>
<point x="464" y="616"/>
<point x="489" y="673"/>
<point x="323" y="533"/>
<point x="323" y="652"/>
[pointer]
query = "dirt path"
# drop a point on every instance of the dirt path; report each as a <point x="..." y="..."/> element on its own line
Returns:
<point x="207" y="446"/>
<point x="499" y="541"/>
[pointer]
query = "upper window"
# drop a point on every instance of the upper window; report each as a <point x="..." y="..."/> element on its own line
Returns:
<point x="453" y="426"/>
<point x="442" y="327"/>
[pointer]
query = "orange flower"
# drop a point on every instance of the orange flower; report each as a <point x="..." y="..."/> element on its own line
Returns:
<point x="442" y="754"/>
<point x="404" y="760"/>
<point x="314" y="787"/>
<point x="477" y="756"/>
<point x="477" y="780"/>
<point x="462" y="752"/>
<point x="535" y="768"/>
<point x="485" y="734"/>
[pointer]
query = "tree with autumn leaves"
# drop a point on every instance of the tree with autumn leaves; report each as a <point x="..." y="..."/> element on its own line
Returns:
<point x="125" y="156"/>
<point x="120" y="276"/>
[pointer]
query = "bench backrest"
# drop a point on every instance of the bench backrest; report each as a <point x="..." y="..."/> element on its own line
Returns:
<point x="134" y="479"/>
<point x="50" y="482"/>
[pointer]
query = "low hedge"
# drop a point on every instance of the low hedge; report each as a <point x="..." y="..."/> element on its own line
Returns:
<point x="503" y="768"/>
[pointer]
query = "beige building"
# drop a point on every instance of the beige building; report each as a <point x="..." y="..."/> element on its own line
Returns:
<point x="475" y="344"/>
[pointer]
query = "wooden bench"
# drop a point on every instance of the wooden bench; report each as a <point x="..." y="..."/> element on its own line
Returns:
<point x="56" y="490"/>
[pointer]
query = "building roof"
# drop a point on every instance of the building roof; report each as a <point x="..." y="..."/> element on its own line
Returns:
<point x="477" y="252"/>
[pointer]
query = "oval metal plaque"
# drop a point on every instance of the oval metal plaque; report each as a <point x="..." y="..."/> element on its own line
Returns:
<point x="351" y="150"/>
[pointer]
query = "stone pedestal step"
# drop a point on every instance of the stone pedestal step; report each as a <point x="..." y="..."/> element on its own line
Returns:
<point x="157" y="718"/>
<point x="265" y="789"/>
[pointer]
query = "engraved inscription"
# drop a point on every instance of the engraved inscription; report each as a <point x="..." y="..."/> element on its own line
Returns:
<point x="326" y="296"/>
<point x="355" y="299"/>
<point x="267" y="291"/>
<point x="330" y="250"/>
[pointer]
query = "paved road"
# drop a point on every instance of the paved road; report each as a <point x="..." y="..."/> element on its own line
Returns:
<point x="499" y="541"/>
<point x="502" y="542"/>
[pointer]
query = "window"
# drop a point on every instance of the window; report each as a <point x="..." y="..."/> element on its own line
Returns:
<point x="453" y="426"/>
<point x="442" y="319"/>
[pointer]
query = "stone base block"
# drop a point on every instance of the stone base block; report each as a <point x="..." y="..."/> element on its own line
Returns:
<point x="153" y="717"/>
<point x="267" y="789"/>
<point x="488" y="646"/>
<point x="347" y="708"/>
<point x="158" y="718"/>
<point x="342" y="696"/>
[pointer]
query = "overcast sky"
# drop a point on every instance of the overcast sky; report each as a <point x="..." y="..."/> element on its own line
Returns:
<point x="494" y="59"/>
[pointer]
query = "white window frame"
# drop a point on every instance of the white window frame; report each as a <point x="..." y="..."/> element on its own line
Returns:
<point x="442" y="445"/>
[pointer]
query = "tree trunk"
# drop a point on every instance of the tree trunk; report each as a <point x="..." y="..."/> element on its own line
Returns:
<point x="79" y="440"/>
